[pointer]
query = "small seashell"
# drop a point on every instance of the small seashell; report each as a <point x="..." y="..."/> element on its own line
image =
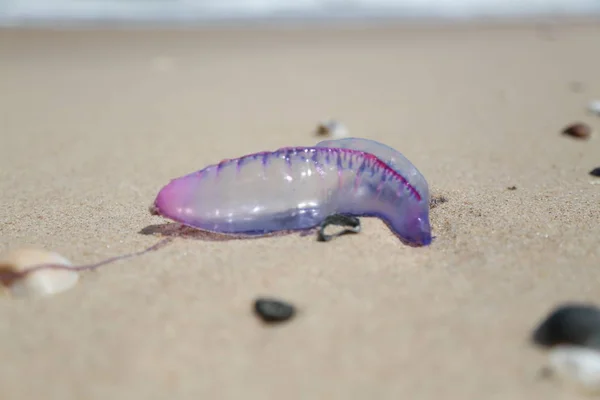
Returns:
<point x="332" y="128"/>
<point x="272" y="310"/>
<point x="577" y="365"/>
<point x="578" y="131"/>
<point x="574" y="324"/>
<point x="43" y="282"/>
<point x="594" y="107"/>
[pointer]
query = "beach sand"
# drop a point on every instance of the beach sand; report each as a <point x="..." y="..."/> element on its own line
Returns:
<point x="94" y="123"/>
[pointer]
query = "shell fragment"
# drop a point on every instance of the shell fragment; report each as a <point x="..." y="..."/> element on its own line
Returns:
<point x="577" y="364"/>
<point x="43" y="282"/>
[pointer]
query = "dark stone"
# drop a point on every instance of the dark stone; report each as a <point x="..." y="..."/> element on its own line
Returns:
<point x="272" y="310"/>
<point x="575" y="324"/>
<point x="595" y="172"/>
<point x="512" y="188"/>
<point x="578" y="130"/>
<point x="339" y="220"/>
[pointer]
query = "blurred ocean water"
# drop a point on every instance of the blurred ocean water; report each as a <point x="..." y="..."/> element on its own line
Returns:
<point x="16" y="12"/>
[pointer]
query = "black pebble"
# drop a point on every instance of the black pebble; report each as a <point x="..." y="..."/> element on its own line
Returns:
<point x="271" y="310"/>
<point x="595" y="172"/>
<point x="575" y="324"/>
<point x="340" y="220"/>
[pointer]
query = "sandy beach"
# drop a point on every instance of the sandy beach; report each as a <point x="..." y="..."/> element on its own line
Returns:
<point x="93" y="123"/>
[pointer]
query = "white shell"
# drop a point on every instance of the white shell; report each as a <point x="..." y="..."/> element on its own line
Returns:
<point x="332" y="128"/>
<point x="43" y="282"/>
<point x="594" y="107"/>
<point x="577" y="364"/>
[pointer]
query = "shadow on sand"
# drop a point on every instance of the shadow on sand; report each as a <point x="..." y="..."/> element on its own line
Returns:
<point x="173" y="229"/>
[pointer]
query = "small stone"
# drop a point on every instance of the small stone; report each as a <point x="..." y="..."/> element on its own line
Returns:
<point x="512" y="188"/>
<point x="353" y="224"/>
<point x="43" y="282"/>
<point x="332" y="128"/>
<point x="578" y="130"/>
<point x="574" y="324"/>
<point x="437" y="200"/>
<point x="595" y="172"/>
<point x="272" y="310"/>
<point x="577" y="365"/>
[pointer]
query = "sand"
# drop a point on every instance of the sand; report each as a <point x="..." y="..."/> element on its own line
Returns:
<point x="94" y="123"/>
